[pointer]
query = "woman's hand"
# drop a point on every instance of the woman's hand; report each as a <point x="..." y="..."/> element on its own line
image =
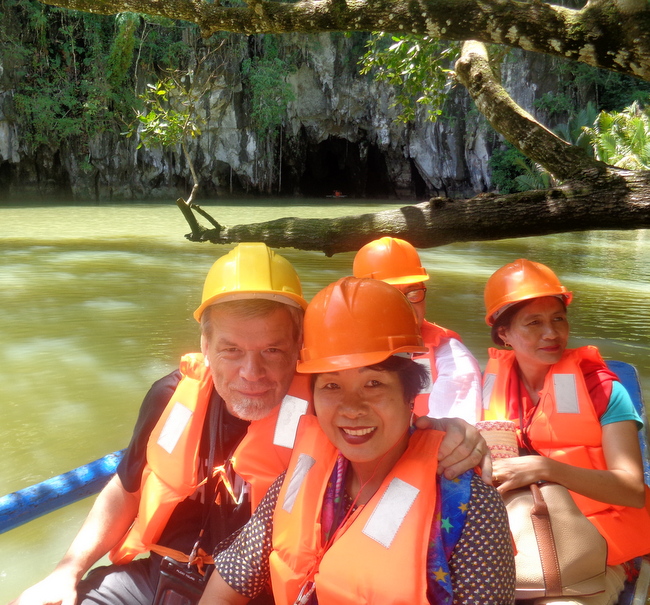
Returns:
<point x="621" y="483"/>
<point x="511" y="473"/>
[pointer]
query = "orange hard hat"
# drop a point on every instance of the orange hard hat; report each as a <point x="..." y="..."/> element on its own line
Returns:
<point x="389" y="259"/>
<point x="354" y="323"/>
<point x="520" y="280"/>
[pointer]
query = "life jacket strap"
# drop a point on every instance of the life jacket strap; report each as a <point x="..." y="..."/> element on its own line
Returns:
<point x="201" y="558"/>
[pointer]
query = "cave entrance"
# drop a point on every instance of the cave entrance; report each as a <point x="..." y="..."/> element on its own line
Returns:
<point x="354" y="169"/>
<point x="6" y="179"/>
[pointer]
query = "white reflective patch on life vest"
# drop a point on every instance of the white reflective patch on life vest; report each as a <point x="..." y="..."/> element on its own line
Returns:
<point x="488" y="385"/>
<point x="174" y="427"/>
<point x="425" y="362"/>
<point x="304" y="464"/>
<point x="566" y="394"/>
<point x="390" y="512"/>
<point x="291" y="409"/>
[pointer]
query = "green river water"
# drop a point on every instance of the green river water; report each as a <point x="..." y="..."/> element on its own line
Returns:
<point x="96" y="303"/>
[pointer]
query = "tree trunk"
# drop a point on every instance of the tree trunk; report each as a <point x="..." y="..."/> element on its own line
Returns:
<point x="611" y="199"/>
<point x="612" y="34"/>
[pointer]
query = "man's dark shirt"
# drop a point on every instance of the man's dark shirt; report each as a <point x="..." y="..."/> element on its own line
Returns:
<point x="187" y="519"/>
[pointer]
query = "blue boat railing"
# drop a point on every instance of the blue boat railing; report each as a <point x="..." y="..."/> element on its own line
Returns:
<point x="629" y="378"/>
<point x="636" y="592"/>
<point x="36" y="500"/>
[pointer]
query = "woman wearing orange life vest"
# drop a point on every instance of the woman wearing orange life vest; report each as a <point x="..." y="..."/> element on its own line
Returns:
<point x="348" y="523"/>
<point x="569" y="408"/>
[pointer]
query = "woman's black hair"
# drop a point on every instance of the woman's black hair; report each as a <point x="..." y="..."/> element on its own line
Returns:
<point x="413" y="376"/>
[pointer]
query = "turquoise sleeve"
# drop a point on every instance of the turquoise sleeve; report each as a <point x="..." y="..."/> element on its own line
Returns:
<point x="620" y="407"/>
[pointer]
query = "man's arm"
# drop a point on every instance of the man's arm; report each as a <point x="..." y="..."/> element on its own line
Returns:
<point x="108" y="520"/>
<point x="462" y="448"/>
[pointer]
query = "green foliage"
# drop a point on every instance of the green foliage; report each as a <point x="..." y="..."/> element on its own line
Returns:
<point x="612" y="91"/>
<point x="418" y="67"/>
<point x="533" y="176"/>
<point x="60" y="84"/>
<point x="161" y="123"/>
<point x="120" y="56"/>
<point x="358" y="43"/>
<point x="161" y="44"/>
<point x="622" y="138"/>
<point x="554" y="103"/>
<point x="170" y="116"/>
<point x="73" y="72"/>
<point x="578" y="82"/>
<point x="512" y="171"/>
<point x="505" y="165"/>
<point x="270" y="92"/>
<point x="573" y="131"/>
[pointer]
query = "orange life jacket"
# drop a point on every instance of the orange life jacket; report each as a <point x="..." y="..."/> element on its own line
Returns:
<point x="171" y="472"/>
<point x="565" y="427"/>
<point x="264" y="453"/>
<point x="390" y="534"/>
<point x="432" y="334"/>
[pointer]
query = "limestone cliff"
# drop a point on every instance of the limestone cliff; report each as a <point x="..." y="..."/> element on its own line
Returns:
<point x="339" y="135"/>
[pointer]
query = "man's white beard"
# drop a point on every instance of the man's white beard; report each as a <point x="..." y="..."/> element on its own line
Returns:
<point x="248" y="409"/>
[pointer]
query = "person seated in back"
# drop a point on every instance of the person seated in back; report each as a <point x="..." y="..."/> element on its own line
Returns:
<point x="455" y="385"/>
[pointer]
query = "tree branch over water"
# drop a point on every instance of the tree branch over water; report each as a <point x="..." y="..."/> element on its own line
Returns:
<point x="597" y="196"/>
<point x="610" y="199"/>
<point x="520" y="128"/>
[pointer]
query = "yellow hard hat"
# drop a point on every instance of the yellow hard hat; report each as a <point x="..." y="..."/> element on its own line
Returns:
<point x="389" y="259"/>
<point x="251" y="270"/>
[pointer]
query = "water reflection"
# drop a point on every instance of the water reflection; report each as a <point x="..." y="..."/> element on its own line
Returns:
<point x="96" y="303"/>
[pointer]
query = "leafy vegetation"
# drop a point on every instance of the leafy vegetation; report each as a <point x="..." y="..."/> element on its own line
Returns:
<point x="578" y="83"/>
<point x="419" y="68"/>
<point x="573" y="131"/>
<point x="170" y="115"/>
<point x="622" y="138"/>
<point x="265" y="79"/>
<point x="616" y="138"/>
<point x="270" y="93"/>
<point x="61" y="88"/>
<point x="619" y="138"/>
<point x="74" y="74"/>
<point x="506" y="166"/>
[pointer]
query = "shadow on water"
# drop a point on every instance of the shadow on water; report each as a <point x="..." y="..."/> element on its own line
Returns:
<point x="96" y="303"/>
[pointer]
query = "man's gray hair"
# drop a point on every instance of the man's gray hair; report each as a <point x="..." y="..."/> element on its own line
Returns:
<point x="248" y="309"/>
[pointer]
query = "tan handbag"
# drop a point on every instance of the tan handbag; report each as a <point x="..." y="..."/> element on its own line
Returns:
<point x="559" y="551"/>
